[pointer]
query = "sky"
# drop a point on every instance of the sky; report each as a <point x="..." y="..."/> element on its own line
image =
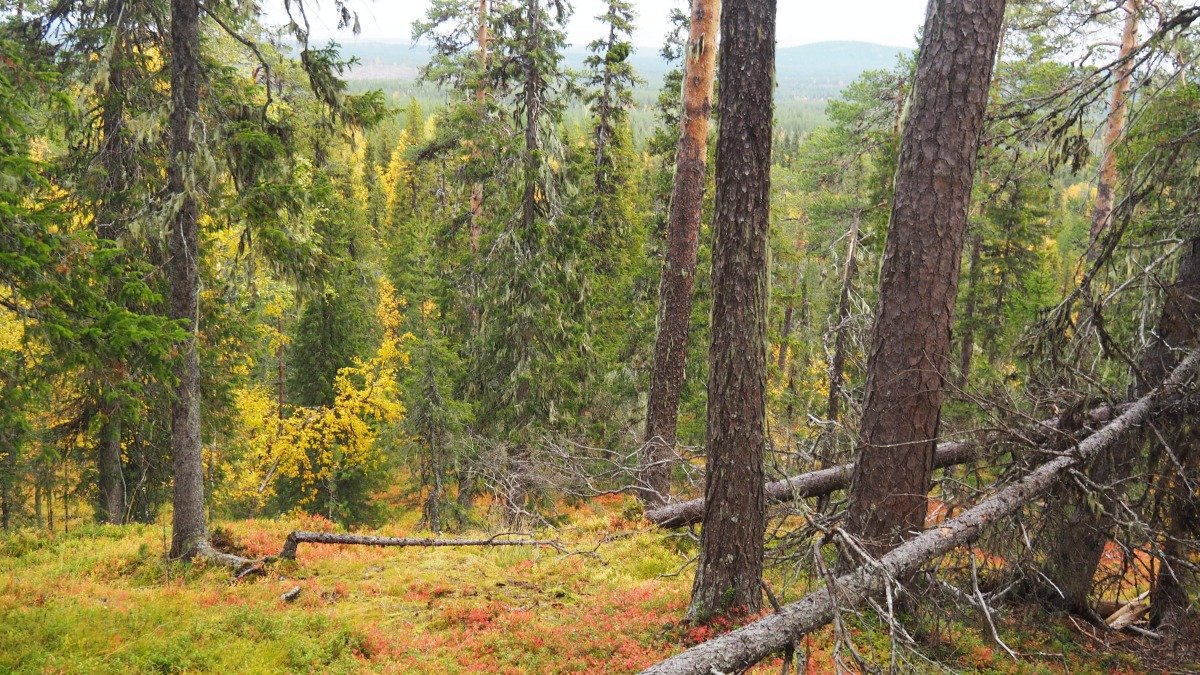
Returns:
<point x="888" y="22"/>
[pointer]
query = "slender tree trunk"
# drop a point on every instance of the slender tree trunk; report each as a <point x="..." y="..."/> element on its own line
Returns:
<point x="967" y="343"/>
<point x="729" y="571"/>
<point x="1076" y="541"/>
<point x="991" y="345"/>
<point x="675" y="293"/>
<point x="66" y="495"/>
<point x="785" y="332"/>
<point x="910" y="350"/>
<point x="48" y="489"/>
<point x="476" y="231"/>
<point x="112" y="480"/>
<point x="789" y="312"/>
<point x="7" y="479"/>
<point x="1114" y="128"/>
<point x="837" y="365"/>
<point x="37" y="503"/>
<point x="532" y="102"/>
<point x="183" y="269"/>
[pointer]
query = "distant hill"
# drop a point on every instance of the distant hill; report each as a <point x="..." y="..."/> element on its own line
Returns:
<point x="822" y="69"/>
<point x="813" y="71"/>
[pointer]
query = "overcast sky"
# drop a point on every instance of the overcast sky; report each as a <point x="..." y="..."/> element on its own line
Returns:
<point x="888" y="22"/>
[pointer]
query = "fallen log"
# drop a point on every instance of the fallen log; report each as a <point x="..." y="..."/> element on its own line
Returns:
<point x="298" y="537"/>
<point x="824" y="481"/>
<point x="738" y="650"/>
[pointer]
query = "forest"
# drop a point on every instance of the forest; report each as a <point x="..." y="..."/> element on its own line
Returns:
<point x="530" y="364"/>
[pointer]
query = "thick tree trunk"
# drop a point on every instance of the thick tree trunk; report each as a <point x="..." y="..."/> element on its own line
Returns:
<point x="678" y="282"/>
<point x="746" y="646"/>
<point x="183" y="269"/>
<point x="1076" y="542"/>
<point x="910" y="350"/>
<point x="729" y="570"/>
<point x="967" y="343"/>
<point x="1114" y="128"/>
<point x="837" y="365"/>
<point x="112" y="480"/>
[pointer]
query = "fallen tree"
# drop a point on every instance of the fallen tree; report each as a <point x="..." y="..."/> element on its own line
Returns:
<point x="298" y="537"/>
<point x="824" y="481"/>
<point x="746" y="646"/>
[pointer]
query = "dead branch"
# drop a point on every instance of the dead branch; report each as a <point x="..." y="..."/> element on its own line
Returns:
<point x="742" y="648"/>
<point x="824" y="481"/>
<point x="298" y="537"/>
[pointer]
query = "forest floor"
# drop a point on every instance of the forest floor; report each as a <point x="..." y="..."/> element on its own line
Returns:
<point x="102" y="599"/>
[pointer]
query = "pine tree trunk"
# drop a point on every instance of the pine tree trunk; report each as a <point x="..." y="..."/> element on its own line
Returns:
<point x="678" y="282"/>
<point x="910" y="350"/>
<point x="1114" y="129"/>
<point x="837" y="365"/>
<point x="729" y="570"/>
<point x="183" y="270"/>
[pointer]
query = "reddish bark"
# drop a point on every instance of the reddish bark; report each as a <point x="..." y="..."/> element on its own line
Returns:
<point x="679" y="264"/>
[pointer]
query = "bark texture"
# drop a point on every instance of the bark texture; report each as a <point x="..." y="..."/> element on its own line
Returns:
<point x="919" y="282"/>
<point x="189" y="529"/>
<point x="729" y="570"/>
<point x="678" y="283"/>
<point x="1114" y="128"/>
<point x="738" y="650"/>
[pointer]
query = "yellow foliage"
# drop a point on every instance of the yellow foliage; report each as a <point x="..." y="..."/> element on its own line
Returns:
<point x="315" y="445"/>
<point x="397" y="173"/>
<point x="12" y="329"/>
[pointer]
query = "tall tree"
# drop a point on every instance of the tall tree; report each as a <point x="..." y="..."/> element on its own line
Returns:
<point x="189" y="527"/>
<point x="481" y="93"/>
<point x="729" y="571"/>
<point x="1114" y="127"/>
<point x="613" y="77"/>
<point x="678" y="281"/>
<point x="910" y="347"/>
